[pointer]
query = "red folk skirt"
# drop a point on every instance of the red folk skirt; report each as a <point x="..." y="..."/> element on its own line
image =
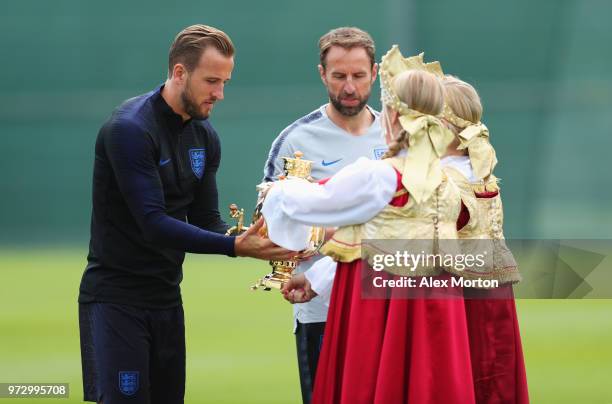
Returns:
<point x="418" y="350"/>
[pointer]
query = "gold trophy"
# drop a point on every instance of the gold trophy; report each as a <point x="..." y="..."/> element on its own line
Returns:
<point x="281" y="270"/>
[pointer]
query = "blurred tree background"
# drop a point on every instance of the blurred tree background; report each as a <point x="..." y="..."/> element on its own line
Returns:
<point x="541" y="68"/>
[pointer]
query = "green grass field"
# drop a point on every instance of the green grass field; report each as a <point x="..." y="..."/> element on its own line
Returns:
<point x="239" y="343"/>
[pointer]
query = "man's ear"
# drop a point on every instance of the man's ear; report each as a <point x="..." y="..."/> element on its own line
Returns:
<point x="179" y="73"/>
<point x="322" y="74"/>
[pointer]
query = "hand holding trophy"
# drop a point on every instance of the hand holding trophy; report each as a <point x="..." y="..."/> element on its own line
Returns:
<point x="252" y="244"/>
<point x="251" y="241"/>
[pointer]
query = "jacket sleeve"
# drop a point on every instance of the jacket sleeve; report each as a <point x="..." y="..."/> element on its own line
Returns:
<point x="132" y="157"/>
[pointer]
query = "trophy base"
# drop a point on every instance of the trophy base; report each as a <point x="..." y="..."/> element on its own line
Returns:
<point x="281" y="273"/>
<point x="268" y="283"/>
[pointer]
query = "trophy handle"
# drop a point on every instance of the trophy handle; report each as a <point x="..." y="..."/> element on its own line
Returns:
<point x="237" y="214"/>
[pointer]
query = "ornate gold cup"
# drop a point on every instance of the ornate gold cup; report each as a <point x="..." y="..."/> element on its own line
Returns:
<point x="283" y="270"/>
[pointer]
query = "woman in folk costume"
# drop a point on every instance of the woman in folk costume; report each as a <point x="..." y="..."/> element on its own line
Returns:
<point x="386" y="350"/>
<point x="495" y="346"/>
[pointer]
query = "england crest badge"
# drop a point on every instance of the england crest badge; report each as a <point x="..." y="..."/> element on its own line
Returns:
<point x="129" y="382"/>
<point x="198" y="160"/>
<point x="378" y="153"/>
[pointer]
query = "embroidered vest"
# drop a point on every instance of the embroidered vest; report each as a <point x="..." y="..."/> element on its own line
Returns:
<point x="484" y="229"/>
<point x="427" y="228"/>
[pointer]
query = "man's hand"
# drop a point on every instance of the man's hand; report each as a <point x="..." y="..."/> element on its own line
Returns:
<point x="298" y="290"/>
<point x="251" y="244"/>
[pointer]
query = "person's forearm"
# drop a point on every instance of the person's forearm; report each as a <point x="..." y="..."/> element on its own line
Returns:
<point x="166" y="231"/>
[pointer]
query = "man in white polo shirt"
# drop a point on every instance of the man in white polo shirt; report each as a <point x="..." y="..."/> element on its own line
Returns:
<point x="332" y="136"/>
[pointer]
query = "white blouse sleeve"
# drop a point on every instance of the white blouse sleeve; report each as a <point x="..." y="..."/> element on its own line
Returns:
<point x="321" y="277"/>
<point x="354" y="195"/>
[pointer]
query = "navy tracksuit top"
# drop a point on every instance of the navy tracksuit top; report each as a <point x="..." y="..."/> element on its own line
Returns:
<point x="154" y="198"/>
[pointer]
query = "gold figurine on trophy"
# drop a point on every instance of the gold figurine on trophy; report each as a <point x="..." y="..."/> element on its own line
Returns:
<point x="237" y="214"/>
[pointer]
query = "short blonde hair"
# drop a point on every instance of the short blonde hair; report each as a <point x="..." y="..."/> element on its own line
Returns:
<point x="462" y="99"/>
<point x="419" y="90"/>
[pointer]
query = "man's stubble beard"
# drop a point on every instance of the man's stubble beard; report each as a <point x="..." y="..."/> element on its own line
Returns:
<point x="348" y="111"/>
<point x="191" y="107"/>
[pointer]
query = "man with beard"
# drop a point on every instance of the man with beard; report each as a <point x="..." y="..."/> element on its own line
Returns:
<point x="155" y="198"/>
<point x="332" y="136"/>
